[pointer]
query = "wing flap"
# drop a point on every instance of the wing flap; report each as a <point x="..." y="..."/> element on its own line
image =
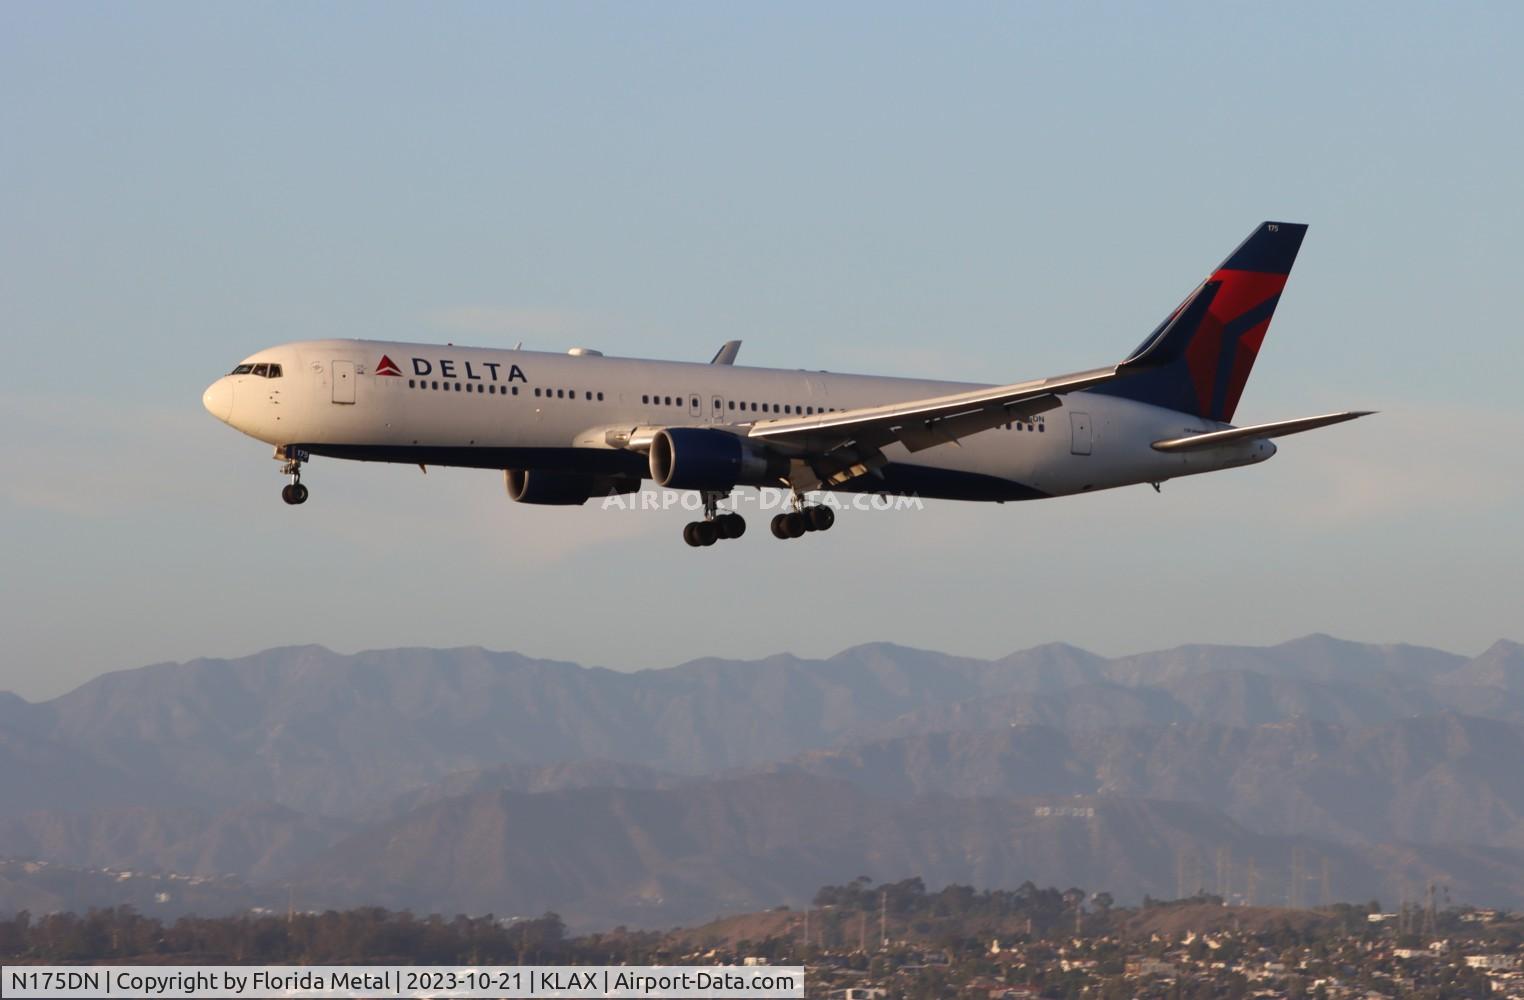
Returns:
<point x="1213" y="439"/>
<point x="924" y="423"/>
<point x="928" y="434"/>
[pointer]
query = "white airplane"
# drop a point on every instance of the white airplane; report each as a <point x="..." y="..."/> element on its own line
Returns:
<point x="565" y="428"/>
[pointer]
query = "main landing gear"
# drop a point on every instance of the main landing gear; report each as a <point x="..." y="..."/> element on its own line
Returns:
<point x="796" y="523"/>
<point x="715" y="526"/>
<point x="293" y="493"/>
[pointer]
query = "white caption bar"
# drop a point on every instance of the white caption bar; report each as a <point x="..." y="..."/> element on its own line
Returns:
<point x="394" y="982"/>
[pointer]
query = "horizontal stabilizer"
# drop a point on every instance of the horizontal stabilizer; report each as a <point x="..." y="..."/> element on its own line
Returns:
<point x="1279" y="429"/>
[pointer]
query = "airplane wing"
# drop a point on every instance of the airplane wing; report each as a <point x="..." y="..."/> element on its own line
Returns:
<point x="1196" y="442"/>
<point x="843" y="445"/>
<point x="925" y="423"/>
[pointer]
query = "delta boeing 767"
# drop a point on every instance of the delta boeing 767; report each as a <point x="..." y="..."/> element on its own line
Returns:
<point x="566" y="428"/>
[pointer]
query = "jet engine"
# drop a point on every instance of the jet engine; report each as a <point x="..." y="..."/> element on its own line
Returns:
<point x="700" y="458"/>
<point x="566" y="489"/>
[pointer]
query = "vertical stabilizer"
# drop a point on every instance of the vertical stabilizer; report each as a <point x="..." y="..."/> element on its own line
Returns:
<point x="1198" y="360"/>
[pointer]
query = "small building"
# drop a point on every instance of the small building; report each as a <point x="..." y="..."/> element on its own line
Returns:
<point x="1493" y="963"/>
<point x="1142" y="967"/>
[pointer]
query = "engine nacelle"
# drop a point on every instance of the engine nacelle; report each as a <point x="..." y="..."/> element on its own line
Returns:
<point x="563" y="489"/>
<point x="701" y="458"/>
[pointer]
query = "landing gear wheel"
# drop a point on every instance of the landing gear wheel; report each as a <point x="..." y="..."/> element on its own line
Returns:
<point x="780" y="526"/>
<point x="795" y="524"/>
<point x="294" y="492"/>
<point x="821" y="518"/>
<point x="715" y="526"/>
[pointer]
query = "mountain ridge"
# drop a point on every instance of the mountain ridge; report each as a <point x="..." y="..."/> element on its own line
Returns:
<point x="447" y="777"/>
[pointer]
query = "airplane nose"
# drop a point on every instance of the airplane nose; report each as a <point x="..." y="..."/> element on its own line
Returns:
<point x="218" y="399"/>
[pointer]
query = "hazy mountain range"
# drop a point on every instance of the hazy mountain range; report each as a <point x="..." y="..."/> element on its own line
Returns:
<point x="466" y="780"/>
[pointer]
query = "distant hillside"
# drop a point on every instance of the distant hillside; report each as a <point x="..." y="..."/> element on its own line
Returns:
<point x="463" y="779"/>
<point x="1442" y="778"/>
<point x="45" y="888"/>
<point x="529" y="778"/>
<point x="325" y="733"/>
<point x="657" y="857"/>
<point x="258" y="841"/>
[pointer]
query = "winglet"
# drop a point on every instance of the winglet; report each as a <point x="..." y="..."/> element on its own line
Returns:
<point x="726" y="355"/>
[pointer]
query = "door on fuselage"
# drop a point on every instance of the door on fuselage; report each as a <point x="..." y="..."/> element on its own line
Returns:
<point x="1079" y="425"/>
<point x="343" y="381"/>
<point x="695" y="406"/>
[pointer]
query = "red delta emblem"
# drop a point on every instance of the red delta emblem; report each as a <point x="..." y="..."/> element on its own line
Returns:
<point x="388" y="367"/>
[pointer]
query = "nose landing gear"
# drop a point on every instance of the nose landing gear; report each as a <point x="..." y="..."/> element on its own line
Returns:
<point x="715" y="526"/>
<point x="293" y="493"/>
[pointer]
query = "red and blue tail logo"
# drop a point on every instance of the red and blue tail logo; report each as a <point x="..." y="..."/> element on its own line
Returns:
<point x="1198" y="360"/>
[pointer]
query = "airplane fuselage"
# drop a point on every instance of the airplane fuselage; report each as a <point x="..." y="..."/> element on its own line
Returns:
<point x="446" y="405"/>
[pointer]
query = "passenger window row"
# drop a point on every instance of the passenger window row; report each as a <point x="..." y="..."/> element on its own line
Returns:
<point x="787" y="408"/>
<point x="791" y="409"/>
<point x="481" y="389"/>
<point x="493" y="389"/>
<point x="588" y="395"/>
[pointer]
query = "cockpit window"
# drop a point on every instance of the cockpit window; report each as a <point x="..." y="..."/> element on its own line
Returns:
<point x="263" y="371"/>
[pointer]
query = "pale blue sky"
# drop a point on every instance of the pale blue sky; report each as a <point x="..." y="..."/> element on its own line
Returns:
<point x="971" y="191"/>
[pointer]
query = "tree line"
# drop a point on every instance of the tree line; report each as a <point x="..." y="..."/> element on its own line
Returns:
<point x="908" y="898"/>
<point x="367" y="934"/>
<point x="957" y="917"/>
